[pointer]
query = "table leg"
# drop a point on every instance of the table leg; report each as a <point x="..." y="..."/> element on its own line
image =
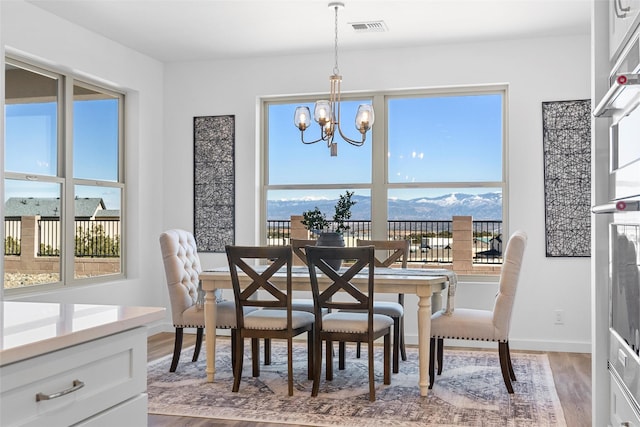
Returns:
<point x="424" y="335"/>
<point x="210" y="310"/>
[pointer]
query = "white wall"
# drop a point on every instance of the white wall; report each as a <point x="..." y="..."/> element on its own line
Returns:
<point x="536" y="70"/>
<point x="162" y="102"/>
<point x="32" y="33"/>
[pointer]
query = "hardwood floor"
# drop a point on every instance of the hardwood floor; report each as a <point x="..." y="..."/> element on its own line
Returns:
<point x="571" y="373"/>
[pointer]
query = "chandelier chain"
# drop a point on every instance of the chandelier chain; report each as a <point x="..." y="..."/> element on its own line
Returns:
<point x="336" y="70"/>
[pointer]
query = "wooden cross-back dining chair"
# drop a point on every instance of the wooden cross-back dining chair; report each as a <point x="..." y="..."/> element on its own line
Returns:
<point x="298" y="245"/>
<point x="274" y="318"/>
<point x="388" y="253"/>
<point x="362" y="325"/>
<point x="299" y="304"/>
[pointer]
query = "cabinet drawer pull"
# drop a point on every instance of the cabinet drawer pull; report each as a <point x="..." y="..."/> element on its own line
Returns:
<point x="77" y="385"/>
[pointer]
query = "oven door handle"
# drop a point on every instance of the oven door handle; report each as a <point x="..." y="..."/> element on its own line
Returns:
<point x="605" y="107"/>
<point x="619" y="206"/>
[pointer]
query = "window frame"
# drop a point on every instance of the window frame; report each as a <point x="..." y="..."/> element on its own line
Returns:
<point x="380" y="185"/>
<point x="64" y="174"/>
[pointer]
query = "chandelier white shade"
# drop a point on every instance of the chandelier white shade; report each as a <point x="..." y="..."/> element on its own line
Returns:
<point x="327" y="113"/>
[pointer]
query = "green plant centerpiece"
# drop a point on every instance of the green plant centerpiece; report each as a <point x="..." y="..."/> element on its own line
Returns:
<point x="316" y="222"/>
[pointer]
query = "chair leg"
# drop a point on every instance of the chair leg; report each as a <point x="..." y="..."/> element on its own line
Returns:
<point x="403" y="350"/>
<point x="396" y="344"/>
<point x="512" y="374"/>
<point x="387" y="359"/>
<point x="372" y="385"/>
<point x="255" y="356"/>
<point x="310" y="355"/>
<point x="432" y="362"/>
<point x="239" y="356"/>
<point x="358" y="347"/>
<point x="196" y="350"/>
<point x="503" y="351"/>
<point x="177" y="349"/>
<point x="267" y="351"/>
<point x="440" y="352"/>
<point x="317" y="363"/>
<point x="290" y="365"/>
<point x="341" y="354"/>
<point x="233" y="351"/>
<point x="329" y="356"/>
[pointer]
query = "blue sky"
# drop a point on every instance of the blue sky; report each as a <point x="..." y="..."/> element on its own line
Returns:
<point x="427" y="136"/>
<point x="30" y="148"/>
<point x="297" y="163"/>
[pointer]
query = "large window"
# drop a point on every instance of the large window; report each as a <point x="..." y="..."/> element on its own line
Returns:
<point x="445" y="152"/>
<point x="432" y="155"/>
<point x="64" y="181"/>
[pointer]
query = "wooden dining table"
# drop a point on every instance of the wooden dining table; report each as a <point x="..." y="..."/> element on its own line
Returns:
<point x="426" y="284"/>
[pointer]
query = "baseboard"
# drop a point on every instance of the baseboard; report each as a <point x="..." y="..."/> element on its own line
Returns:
<point x="555" y="346"/>
<point x="527" y="345"/>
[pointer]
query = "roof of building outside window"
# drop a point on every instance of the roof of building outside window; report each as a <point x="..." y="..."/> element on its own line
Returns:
<point x="50" y="207"/>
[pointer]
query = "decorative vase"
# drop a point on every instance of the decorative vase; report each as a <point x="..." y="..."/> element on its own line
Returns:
<point x="331" y="239"/>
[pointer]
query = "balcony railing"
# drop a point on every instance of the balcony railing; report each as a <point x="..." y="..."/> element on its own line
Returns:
<point x="13" y="234"/>
<point x="430" y="241"/>
<point x="93" y="238"/>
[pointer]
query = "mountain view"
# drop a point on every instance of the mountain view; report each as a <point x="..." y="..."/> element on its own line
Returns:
<point x="486" y="206"/>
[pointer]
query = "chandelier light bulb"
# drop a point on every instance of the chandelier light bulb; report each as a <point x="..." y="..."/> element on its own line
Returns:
<point x="322" y="113"/>
<point x="302" y="118"/>
<point x="364" y="118"/>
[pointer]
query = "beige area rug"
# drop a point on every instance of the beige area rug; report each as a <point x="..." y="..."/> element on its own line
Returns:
<point x="470" y="391"/>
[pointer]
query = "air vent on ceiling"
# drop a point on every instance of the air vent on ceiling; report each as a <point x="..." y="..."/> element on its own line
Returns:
<point x="369" y="27"/>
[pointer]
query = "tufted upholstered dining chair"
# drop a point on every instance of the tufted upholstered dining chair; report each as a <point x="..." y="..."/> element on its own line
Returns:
<point x="484" y="325"/>
<point x="362" y="325"/>
<point x="275" y="319"/>
<point x="182" y="269"/>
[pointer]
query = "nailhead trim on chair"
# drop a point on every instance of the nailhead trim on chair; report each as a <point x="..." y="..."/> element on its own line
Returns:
<point x="201" y="326"/>
<point x="465" y="338"/>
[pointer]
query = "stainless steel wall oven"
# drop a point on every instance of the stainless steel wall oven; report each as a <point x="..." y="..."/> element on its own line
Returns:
<point x="624" y="304"/>
<point x="622" y="105"/>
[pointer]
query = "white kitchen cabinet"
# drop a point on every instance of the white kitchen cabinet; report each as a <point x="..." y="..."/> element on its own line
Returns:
<point x="133" y="412"/>
<point x="112" y="369"/>
<point x="621" y="411"/>
<point x="65" y="365"/>
<point x="624" y="17"/>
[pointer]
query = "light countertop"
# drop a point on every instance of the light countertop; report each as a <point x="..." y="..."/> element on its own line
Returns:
<point x="30" y="329"/>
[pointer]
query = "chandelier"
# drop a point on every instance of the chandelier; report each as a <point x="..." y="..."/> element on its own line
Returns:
<point x="327" y="113"/>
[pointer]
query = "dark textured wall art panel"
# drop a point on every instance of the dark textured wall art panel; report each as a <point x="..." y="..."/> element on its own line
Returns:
<point x="567" y="177"/>
<point x="214" y="182"/>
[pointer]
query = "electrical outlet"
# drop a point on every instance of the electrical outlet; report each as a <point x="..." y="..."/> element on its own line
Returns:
<point x="559" y="317"/>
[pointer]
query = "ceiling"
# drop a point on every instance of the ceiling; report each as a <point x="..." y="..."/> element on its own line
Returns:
<point x="197" y="30"/>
